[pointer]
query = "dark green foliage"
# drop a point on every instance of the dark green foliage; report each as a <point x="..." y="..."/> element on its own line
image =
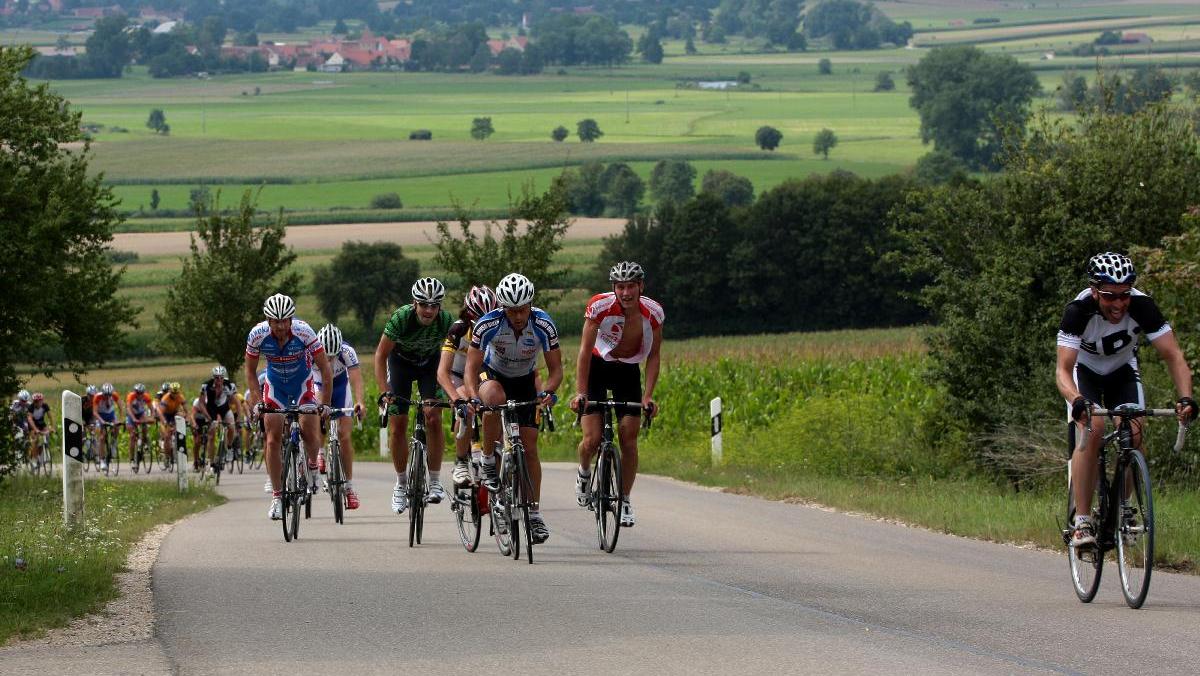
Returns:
<point x="824" y="141"/>
<point x="594" y="189"/>
<point x="155" y="200"/>
<point x="743" y="77"/>
<point x="559" y="133"/>
<point x="938" y="166"/>
<point x="233" y="267"/>
<point x="481" y="128"/>
<point x="483" y="59"/>
<point x="571" y="39"/>
<point x="387" y="200"/>
<point x="1108" y="38"/>
<point x="849" y="24"/>
<point x="689" y="47"/>
<point x="673" y="181"/>
<point x="1003" y="258"/>
<point x="120" y="256"/>
<point x="623" y="189"/>
<point x="650" y="47"/>
<point x="60" y="308"/>
<point x="107" y="48"/>
<point x="768" y="138"/>
<point x="1073" y="92"/>
<point x="364" y="278"/>
<point x="508" y="62"/>
<point x="731" y="189"/>
<point x="420" y="135"/>
<point x="825" y="67"/>
<point x="884" y="82"/>
<point x="967" y="98"/>
<point x="588" y="130"/>
<point x="528" y="249"/>
<point x="158" y="122"/>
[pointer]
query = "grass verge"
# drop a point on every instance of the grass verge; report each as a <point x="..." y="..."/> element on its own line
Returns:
<point x="71" y="572"/>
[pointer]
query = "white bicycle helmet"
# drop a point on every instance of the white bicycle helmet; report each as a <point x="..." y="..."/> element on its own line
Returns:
<point x="91" y="390"/>
<point x="514" y="290"/>
<point x="139" y="388"/>
<point x="626" y="271"/>
<point x="279" y="306"/>
<point x="106" y="388"/>
<point x="1111" y="268"/>
<point x="331" y="339"/>
<point x="428" y="290"/>
<point x="219" y="370"/>
<point x="23" y="395"/>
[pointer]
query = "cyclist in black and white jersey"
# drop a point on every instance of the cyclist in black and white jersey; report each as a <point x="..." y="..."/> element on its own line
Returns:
<point x="217" y="394"/>
<point x="1097" y="364"/>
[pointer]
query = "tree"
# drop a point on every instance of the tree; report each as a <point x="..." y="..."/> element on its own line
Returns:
<point x="154" y="199"/>
<point x="938" y="167"/>
<point x="823" y="142"/>
<point x="689" y="47"/>
<point x="340" y="28"/>
<point x="508" y="62"/>
<point x="673" y="181"/>
<point x="528" y="249"/>
<point x="731" y="189"/>
<point x="743" y="77"/>
<point x="967" y="98"/>
<point x="387" y="200"/>
<point x="482" y="59"/>
<point x="1073" y="92"/>
<point x="559" y="133"/>
<point x="768" y="138"/>
<point x="623" y="189"/>
<point x="884" y="82"/>
<point x="588" y="130"/>
<point x="583" y="190"/>
<point x="364" y="277"/>
<point x="825" y="67"/>
<point x="651" y="49"/>
<point x="481" y="128"/>
<point x="158" y="121"/>
<point x="60" y="307"/>
<point x="228" y="253"/>
<point x="1002" y="257"/>
<point x="107" y="48"/>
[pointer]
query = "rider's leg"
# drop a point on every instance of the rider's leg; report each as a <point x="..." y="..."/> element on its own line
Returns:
<point x="533" y="463"/>
<point x="627" y="432"/>
<point x="1085" y="468"/>
<point x="345" y="440"/>
<point x="273" y="447"/>
<point x="492" y="394"/>
<point x="590" y="424"/>
<point x="435" y="435"/>
<point x="310" y="431"/>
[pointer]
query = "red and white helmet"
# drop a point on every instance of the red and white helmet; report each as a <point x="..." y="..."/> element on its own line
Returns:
<point x="480" y="300"/>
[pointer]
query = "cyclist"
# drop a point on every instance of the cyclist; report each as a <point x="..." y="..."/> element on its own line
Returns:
<point x="621" y="329"/>
<point x="216" y="395"/>
<point x="502" y="364"/>
<point x="107" y="405"/>
<point x="170" y="404"/>
<point x="39" y="423"/>
<point x="1097" y="363"/>
<point x="480" y="300"/>
<point x="407" y="352"/>
<point x="290" y="347"/>
<point x="88" y="412"/>
<point x="347" y="392"/>
<point x="200" y="420"/>
<point x="139" y="407"/>
<point x="163" y="389"/>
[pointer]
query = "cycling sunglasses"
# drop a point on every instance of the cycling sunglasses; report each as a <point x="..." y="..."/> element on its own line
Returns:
<point x="1114" y="295"/>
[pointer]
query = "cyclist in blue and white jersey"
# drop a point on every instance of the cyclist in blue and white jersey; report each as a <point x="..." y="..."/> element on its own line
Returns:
<point x="1097" y="364"/>
<point x="502" y="364"/>
<point x="347" y="393"/>
<point x="291" y="348"/>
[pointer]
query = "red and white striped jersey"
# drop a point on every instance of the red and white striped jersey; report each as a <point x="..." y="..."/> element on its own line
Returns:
<point x="604" y="309"/>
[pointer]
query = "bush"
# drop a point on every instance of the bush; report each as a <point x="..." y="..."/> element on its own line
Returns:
<point x="560" y="133"/>
<point x="120" y="256"/>
<point x="420" y="135"/>
<point x="768" y="137"/>
<point x="825" y="67"/>
<point x="387" y="200"/>
<point x="884" y="82"/>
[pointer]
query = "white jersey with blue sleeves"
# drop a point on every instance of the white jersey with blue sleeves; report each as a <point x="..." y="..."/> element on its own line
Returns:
<point x="341" y="364"/>
<point x="508" y="353"/>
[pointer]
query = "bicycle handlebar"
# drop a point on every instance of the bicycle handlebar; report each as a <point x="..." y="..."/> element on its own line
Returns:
<point x="1180" y="436"/>
<point x="609" y="403"/>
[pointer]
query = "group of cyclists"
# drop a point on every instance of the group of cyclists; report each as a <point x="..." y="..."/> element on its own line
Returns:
<point x="486" y="357"/>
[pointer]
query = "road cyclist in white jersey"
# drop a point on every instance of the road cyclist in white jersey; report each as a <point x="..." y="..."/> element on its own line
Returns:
<point x="480" y="300"/>
<point x="347" y="393"/>
<point x="1097" y="364"/>
<point x="291" y="348"/>
<point x="501" y="365"/>
<point x="218" y="396"/>
<point x="408" y="353"/>
<point x="621" y="330"/>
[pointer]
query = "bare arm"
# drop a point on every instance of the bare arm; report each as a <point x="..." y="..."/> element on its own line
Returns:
<point x="1064" y="373"/>
<point x="583" y="367"/>
<point x="251" y="370"/>
<point x="445" y="381"/>
<point x="555" y="367"/>
<point x="356" y="383"/>
<point x="471" y="371"/>
<point x="653" y="360"/>
<point x="381" y="362"/>
<point x="322" y="362"/>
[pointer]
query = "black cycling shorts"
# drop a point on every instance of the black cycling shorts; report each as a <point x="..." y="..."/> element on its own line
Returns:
<point x="1123" y="386"/>
<point x="624" y="380"/>
<point x="520" y="388"/>
<point x="402" y="373"/>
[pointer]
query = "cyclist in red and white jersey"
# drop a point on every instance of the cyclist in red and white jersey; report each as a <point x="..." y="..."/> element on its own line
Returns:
<point x="621" y="329"/>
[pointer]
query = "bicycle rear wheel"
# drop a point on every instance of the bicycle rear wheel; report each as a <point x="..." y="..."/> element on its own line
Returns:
<point x="416" y="492"/>
<point x="606" y="496"/>
<point x="1134" y="531"/>
<point x="333" y="460"/>
<point x="288" y="482"/>
<point x="1086" y="563"/>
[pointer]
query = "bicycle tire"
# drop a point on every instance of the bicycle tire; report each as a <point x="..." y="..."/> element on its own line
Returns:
<point x="468" y="516"/>
<point x="288" y="484"/>
<point x="333" y="458"/>
<point x="114" y="464"/>
<point x="1134" y="533"/>
<point x="300" y="489"/>
<point x="523" y="488"/>
<point x="606" y="496"/>
<point x="507" y="475"/>
<point x="47" y="460"/>
<point x="1086" y="564"/>
<point x="416" y="491"/>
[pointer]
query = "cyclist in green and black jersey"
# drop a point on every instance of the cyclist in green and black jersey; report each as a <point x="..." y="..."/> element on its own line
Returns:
<point x="408" y="352"/>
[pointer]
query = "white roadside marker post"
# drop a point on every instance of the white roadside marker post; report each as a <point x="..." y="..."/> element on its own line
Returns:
<point x="714" y="410"/>
<point x="181" y="453"/>
<point x="72" y="478"/>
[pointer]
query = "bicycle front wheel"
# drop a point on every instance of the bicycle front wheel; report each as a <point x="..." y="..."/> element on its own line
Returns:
<point x="606" y="496"/>
<point x="467" y="516"/>
<point x="1134" y="530"/>
<point x="416" y="492"/>
<point x="1087" y="563"/>
<point x="333" y="460"/>
<point x="523" y="489"/>
<point x="288" y="481"/>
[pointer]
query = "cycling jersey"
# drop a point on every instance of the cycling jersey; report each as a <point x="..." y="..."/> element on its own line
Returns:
<point x="458" y="339"/>
<point x="137" y="405"/>
<point x="40" y="415"/>
<point x="106" y="406"/>
<point x="289" y="365"/>
<point x="341" y="364"/>
<point x="1103" y="346"/>
<point x="215" y="397"/>
<point x="604" y="309"/>
<point x="171" y="404"/>
<point x="17" y="409"/>
<point x="504" y="350"/>
<point x="415" y="342"/>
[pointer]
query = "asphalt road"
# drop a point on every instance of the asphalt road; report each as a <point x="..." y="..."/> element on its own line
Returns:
<point x="707" y="582"/>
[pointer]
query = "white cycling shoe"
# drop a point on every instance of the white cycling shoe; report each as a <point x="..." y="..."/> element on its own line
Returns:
<point x="276" y="510"/>
<point x="627" y="517"/>
<point x="399" y="499"/>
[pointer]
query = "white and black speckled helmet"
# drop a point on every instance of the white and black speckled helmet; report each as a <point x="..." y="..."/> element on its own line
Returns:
<point x="1111" y="268"/>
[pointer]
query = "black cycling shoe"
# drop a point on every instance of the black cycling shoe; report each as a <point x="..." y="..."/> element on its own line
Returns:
<point x="538" y="530"/>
